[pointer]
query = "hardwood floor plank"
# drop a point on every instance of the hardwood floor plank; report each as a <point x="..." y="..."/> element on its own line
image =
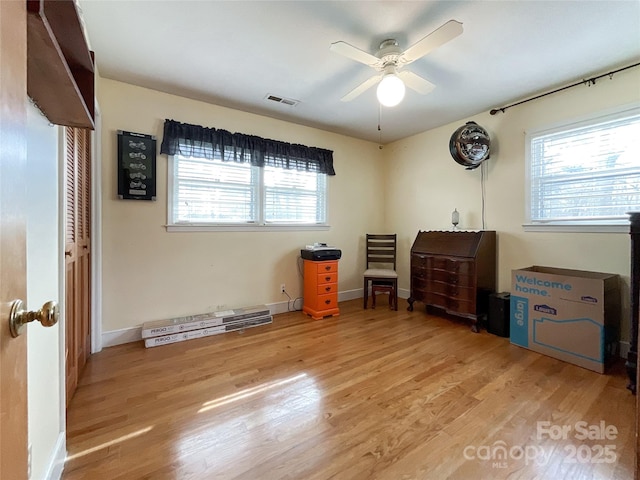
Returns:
<point x="370" y="394"/>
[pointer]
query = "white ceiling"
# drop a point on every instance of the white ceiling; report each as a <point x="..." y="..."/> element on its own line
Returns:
<point x="235" y="53"/>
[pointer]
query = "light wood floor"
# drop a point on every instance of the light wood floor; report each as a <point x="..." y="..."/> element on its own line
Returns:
<point x="370" y="394"/>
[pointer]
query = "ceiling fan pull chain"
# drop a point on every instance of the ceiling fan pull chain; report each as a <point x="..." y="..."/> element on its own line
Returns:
<point x="379" y="127"/>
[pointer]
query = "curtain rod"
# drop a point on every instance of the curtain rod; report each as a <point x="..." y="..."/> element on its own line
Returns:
<point x="588" y="82"/>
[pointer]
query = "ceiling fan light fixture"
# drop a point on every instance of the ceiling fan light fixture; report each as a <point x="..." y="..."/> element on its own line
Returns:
<point x="390" y="90"/>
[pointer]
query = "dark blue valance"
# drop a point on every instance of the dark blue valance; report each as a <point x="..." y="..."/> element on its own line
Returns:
<point x="196" y="141"/>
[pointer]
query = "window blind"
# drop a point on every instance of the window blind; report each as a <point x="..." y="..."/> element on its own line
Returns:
<point x="589" y="173"/>
<point x="292" y="196"/>
<point x="212" y="191"/>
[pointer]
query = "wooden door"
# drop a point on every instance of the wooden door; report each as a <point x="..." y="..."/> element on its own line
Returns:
<point x="77" y="254"/>
<point x="13" y="351"/>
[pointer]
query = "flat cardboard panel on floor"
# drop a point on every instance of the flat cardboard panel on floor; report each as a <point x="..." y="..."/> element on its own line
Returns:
<point x="571" y="315"/>
<point x="207" y="332"/>
<point x="204" y="320"/>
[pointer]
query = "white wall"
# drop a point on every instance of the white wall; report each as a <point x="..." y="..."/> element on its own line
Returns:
<point x="150" y="274"/>
<point x="425" y="185"/>
<point x="410" y="185"/>
<point x="43" y="253"/>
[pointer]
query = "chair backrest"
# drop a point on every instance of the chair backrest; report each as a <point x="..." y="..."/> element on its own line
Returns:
<point x="381" y="249"/>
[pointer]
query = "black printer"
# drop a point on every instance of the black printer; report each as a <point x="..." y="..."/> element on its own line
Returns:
<point x="319" y="252"/>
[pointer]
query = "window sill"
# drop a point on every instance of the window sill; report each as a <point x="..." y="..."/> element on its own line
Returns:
<point x="244" y="228"/>
<point x="577" y="228"/>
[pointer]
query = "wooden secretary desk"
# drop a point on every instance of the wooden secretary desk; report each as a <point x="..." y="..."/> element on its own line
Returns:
<point x="454" y="271"/>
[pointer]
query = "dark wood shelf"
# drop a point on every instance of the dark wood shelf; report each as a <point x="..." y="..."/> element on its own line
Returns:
<point x="60" y="67"/>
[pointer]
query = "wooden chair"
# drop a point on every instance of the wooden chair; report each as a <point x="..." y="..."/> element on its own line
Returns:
<point x="388" y="289"/>
<point x="381" y="268"/>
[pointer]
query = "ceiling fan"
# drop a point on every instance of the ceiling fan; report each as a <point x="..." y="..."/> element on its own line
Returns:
<point x="389" y="61"/>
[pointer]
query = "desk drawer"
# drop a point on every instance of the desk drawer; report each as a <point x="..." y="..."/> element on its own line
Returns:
<point x="327" y="302"/>
<point x="326" y="267"/>
<point x="462" y="306"/>
<point x="450" y="278"/>
<point x="421" y="261"/>
<point x="449" y="289"/>
<point x="419" y="272"/>
<point x="327" y="278"/>
<point x="326" y="288"/>
<point x="453" y="265"/>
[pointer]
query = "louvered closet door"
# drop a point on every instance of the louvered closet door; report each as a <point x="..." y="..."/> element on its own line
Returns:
<point x="84" y="246"/>
<point x="77" y="254"/>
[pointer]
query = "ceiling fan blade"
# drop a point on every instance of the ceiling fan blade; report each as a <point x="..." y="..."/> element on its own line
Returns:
<point x="360" y="89"/>
<point x="416" y="82"/>
<point x="354" y="53"/>
<point x="440" y="36"/>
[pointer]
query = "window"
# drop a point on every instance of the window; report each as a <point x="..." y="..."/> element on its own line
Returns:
<point x="223" y="180"/>
<point x="214" y="192"/>
<point x="293" y="196"/>
<point x="586" y="173"/>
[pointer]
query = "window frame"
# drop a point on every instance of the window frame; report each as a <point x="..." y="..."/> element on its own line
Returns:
<point x="587" y="226"/>
<point x="259" y="225"/>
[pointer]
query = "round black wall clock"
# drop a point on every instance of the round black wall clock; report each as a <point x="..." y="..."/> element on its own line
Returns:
<point x="470" y="145"/>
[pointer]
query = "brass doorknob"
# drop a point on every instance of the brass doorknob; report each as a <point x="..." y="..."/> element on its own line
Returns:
<point x="18" y="317"/>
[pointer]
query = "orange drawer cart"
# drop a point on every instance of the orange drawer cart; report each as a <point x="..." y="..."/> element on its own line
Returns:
<point x="320" y="289"/>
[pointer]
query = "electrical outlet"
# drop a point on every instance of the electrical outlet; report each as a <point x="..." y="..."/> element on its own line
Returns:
<point x="282" y="288"/>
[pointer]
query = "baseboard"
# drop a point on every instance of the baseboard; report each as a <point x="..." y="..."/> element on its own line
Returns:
<point x="56" y="465"/>
<point x="134" y="334"/>
<point x="296" y="304"/>
<point x="123" y="335"/>
<point x="284" y="307"/>
<point x="349" y="295"/>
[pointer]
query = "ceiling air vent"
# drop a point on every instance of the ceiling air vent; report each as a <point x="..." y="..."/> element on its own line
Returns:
<point x="286" y="101"/>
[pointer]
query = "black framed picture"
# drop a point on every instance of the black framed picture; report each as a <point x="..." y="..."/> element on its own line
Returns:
<point x="136" y="166"/>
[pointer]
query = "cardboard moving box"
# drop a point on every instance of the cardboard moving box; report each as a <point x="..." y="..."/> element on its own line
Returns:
<point x="571" y="315"/>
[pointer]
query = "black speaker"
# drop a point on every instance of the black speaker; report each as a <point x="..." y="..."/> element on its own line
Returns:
<point x="498" y="320"/>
